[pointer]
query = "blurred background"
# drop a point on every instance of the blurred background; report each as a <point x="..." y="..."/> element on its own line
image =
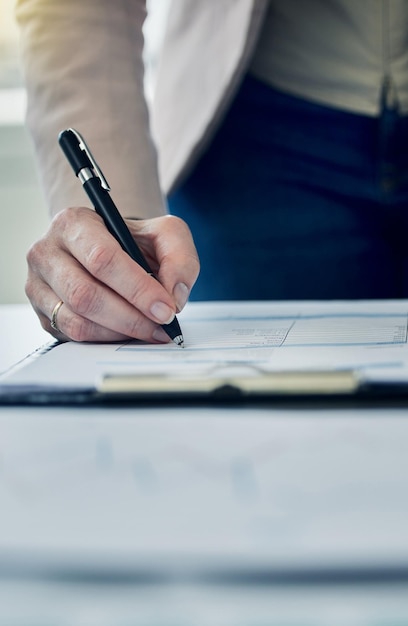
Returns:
<point x="23" y="212"/>
<point x="22" y="209"/>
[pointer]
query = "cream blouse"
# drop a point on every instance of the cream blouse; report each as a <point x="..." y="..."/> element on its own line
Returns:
<point x="336" y="52"/>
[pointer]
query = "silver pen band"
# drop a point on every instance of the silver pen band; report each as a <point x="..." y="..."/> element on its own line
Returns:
<point x="85" y="174"/>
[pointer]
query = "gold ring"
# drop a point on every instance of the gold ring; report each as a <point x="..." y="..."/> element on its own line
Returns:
<point x="54" y="314"/>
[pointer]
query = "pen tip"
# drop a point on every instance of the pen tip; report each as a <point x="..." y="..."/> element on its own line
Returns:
<point x="179" y="340"/>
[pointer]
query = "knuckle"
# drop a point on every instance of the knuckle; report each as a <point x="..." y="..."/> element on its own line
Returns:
<point x="179" y="225"/>
<point x="35" y="253"/>
<point x="83" y="298"/>
<point x="30" y="290"/>
<point x="78" y="328"/>
<point x="68" y="223"/>
<point x="62" y="219"/>
<point x="175" y="221"/>
<point x="33" y="289"/>
<point x="100" y="260"/>
<point x="67" y="216"/>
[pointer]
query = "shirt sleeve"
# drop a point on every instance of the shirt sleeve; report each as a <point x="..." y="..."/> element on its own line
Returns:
<point x="83" y="67"/>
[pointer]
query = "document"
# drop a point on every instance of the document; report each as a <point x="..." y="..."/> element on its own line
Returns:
<point x="255" y="347"/>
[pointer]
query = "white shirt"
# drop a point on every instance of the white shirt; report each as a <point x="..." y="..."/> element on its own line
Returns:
<point x="336" y="52"/>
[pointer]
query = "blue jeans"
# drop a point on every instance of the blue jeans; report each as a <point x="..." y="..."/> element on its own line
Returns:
<point x="294" y="200"/>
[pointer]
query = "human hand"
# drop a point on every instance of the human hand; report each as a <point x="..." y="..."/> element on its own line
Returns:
<point x="106" y="296"/>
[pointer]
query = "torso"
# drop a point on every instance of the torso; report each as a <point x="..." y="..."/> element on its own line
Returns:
<point x="336" y="52"/>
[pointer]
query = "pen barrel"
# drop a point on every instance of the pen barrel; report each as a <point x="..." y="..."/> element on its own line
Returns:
<point x="114" y="222"/>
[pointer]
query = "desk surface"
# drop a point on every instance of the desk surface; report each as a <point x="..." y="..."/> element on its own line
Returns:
<point x="20" y="333"/>
<point x="94" y="502"/>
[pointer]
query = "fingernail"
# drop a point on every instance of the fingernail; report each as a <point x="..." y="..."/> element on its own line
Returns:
<point x="160" y="335"/>
<point x="162" y="312"/>
<point x="180" y="294"/>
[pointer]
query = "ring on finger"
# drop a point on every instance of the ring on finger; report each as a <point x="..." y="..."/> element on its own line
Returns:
<point x="54" y="314"/>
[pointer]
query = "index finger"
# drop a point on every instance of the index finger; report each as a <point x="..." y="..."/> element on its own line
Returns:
<point x="83" y="234"/>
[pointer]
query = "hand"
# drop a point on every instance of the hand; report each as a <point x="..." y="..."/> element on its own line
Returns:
<point x="106" y="296"/>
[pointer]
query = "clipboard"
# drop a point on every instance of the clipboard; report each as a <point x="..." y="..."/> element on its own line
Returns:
<point x="292" y="386"/>
<point x="252" y="352"/>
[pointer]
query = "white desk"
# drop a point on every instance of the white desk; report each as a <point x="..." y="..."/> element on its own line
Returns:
<point x="20" y="333"/>
<point x="287" y="483"/>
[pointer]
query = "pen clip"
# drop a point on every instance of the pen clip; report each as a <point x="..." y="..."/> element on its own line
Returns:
<point x="83" y="146"/>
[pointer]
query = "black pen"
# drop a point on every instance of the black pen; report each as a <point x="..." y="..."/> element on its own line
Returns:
<point x="97" y="188"/>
